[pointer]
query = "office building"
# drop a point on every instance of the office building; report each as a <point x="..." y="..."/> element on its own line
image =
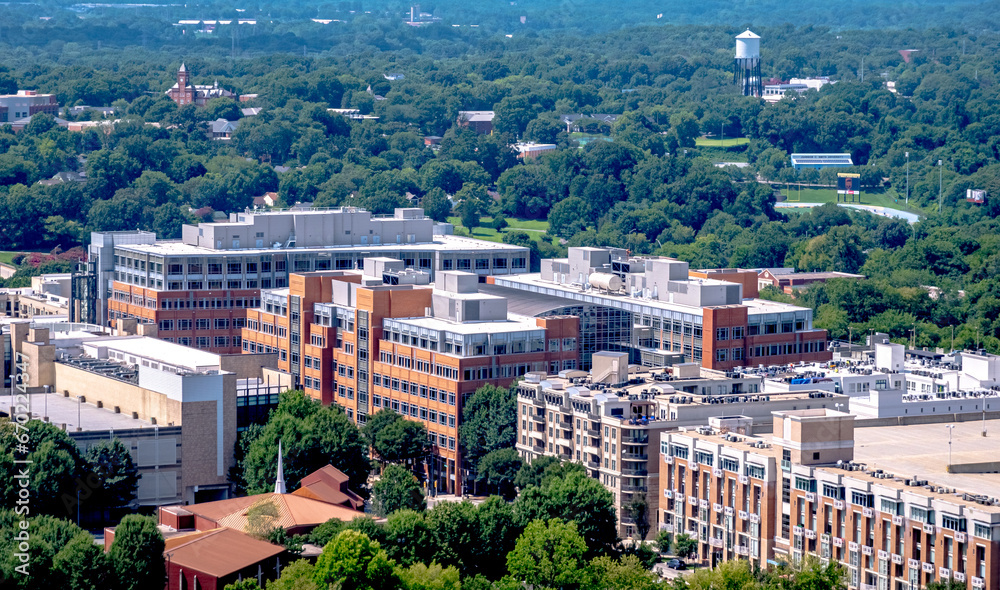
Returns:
<point x="663" y="313"/>
<point x="197" y="290"/>
<point x="26" y="104"/>
<point x="823" y="487"/>
<point x="387" y="338"/>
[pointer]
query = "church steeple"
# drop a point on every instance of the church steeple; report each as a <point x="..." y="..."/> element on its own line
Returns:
<point x="279" y="482"/>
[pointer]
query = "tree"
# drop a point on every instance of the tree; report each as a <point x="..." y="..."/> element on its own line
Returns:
<point x="625" y="573"/>
<point x="574" y="497"/>
<point x="638" y="510"/>
<point x="550" y="555"/>
<point x="57" y="467"/>
<point x="247" y="584"/>
<point x="137" y="553"/>
<point x="117" y="474"/>
<point x="410" y="539"/>
<point x="298" y="575"/>
<point x="685" y="545"/>
<point x="498" y="470"/>
<point x="498" y="532"/>
<point x="663" y="541"/>
<point x="82" y="565"/>
<point x="457" y="531"/>
<point x="436" y="205"/>
<point x="429" y="577"/>
<point x="489" y="422"/>
<point x="569" y="216"/>
<point x="312" y="436"/>
<point x="394" y="438"/>
<point x="396" y="489"/>
<point x="352" y="561"/>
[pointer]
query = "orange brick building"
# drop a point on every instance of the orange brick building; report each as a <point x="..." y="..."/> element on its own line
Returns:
<point x="799" y="493"/>
<point x="388" y="339"/>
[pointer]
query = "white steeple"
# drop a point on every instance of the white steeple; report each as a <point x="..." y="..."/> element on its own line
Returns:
<point x="279" y="482"/>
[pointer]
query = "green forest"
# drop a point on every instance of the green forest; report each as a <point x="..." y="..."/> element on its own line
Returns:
<point x="921" y="131"/>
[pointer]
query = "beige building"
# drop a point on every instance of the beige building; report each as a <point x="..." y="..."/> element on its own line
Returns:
<point x="47" y="296"/>
<point x="173" y="406"/>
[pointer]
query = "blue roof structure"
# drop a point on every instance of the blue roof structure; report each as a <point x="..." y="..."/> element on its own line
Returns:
<point x="818" y="161"/>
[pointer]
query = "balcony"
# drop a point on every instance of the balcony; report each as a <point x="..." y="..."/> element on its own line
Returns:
<point x="538" y="418"/>
<point x="635" y="457"/>
<point x="595" y="432"/>
<point x="593" y="464"/>
<point x="536" y="434"/>
<point x="634" y="470"/>
<point x="636" y="439"/>
<point x="537" y="449"/>
<point x="627" y="487"/>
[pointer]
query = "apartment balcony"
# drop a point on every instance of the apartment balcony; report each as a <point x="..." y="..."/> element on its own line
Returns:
<point x="634" y="488"/>
<point x="635" y="457"/>
<point x="596" y="432"/>
<point x="538" y="418"/>
<point x="537" y="449"/>
<point x="634" y="470"/>
<point x="593" y="464"/>
<point x="636" y="439"/>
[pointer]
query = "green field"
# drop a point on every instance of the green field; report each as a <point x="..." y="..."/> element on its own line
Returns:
<point x="726" y="143"/>
<point x="8" y="257"/>
<point x="877" y="197"/>
<point x="536" y="228"/>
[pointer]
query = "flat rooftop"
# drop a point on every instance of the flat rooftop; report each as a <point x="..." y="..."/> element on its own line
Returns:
<point x="922" y="450"/>
<point x="175" y="355"/>
<point x="440" y="243"/>
<point x="536" y="284"/>
<point x="69" y="411"/>
<point x="512" y="324"/>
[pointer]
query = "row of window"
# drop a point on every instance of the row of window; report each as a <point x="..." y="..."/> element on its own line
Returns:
<point x="423" y="391"/>
<point x="278" y="283"/>
<point x="810" y="346"/>
<point x="207" y="342"/>
<point x="212" y="268"/>
<point x="708" y="459"/>
<point x="735" y="333"/>
<point x="211" y="303"/>
<point x="202" y="324"/>
<point x="254" y="347"/>
<point x="776" y="328"/>
<point x="415" y="411"/>
<point x="481" y="263"/>
<point x="725" y="354"/>
<point x="405" y="362"/>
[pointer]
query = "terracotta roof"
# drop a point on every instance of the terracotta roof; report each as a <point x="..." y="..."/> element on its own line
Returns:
<point x="293" y="511"/>
<point x="219" y="552"/>
<point x="329" y="484"/>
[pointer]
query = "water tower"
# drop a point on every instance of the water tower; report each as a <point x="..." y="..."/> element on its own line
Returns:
<point x="746" y="66"/>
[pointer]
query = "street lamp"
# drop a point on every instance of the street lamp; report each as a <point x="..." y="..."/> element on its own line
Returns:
<point x="951" y="428"/>
<point x="940" y="185"/>
<point x="907" y="178"/>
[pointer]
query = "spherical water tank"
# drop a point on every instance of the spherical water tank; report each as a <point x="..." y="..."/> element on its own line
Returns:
<point x="747" y="45"/>
<point x="606" y="281"/>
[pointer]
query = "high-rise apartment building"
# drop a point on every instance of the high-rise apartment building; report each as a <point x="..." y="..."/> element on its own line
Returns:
<point x="823" y="487"/>
<point x="387" y="338"/>
<point x="197" y="289"/>
<point x="712" y="317"/>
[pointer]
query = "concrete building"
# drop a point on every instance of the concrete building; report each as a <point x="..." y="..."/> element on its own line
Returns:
<point x="532" y="151"/>
<point x="197" y="290"/>
<point x="661" y="312"/>
<point x="386" y="338"/>
<point x="820" y="161"/>
<point x="173" y="406"/>
<point x="48" y="295"/>
<point x="26" y="104"/>
<point x="823" y="487"/>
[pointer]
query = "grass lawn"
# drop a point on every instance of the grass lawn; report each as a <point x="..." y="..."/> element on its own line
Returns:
<point x="878" y="197"/>
<point x="727" y="143"/>
<point x="8" y="257"/>
<point x="534" y="227"/>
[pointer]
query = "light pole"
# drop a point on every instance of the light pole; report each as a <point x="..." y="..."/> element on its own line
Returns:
<point x="951" y="428"/>
<point x="940" y="184"/>
<point x="838" y="406"/>
<point x="907" y="178"/>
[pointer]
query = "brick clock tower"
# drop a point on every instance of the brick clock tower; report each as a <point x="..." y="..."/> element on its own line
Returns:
<point x="184" y="94"/>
